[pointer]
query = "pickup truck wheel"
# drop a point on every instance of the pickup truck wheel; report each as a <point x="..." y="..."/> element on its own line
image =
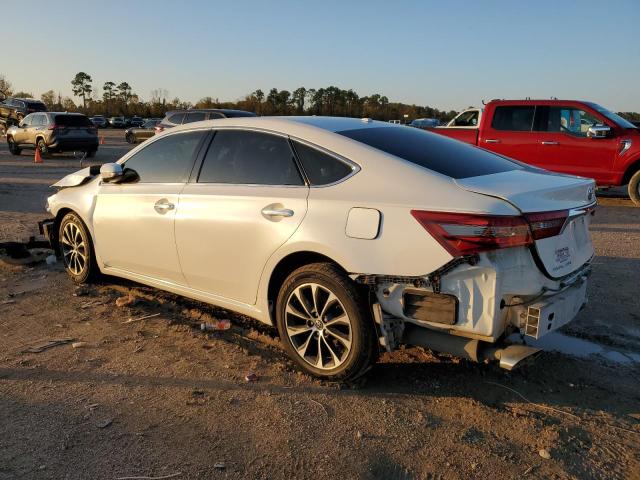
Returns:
<point x="324" y="323"/>
<point x="77" y="249"/>
<point x="634" y="188"/>
<point x="13" y="148"/>
<point x="42" y="146"/>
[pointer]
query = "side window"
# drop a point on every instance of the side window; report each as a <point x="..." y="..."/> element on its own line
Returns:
<point x="467" y="119"/>
<point x="168" y="159"/>
<point x="27" y="121"/>
<point x="569" y="120"/>
<point x="38" y="120"/>
<point x="321" y="169"/>
<point x="243" y="157"/>
<point x="515" y="119"/>
<point x="194" y="117"/>
<point x="214" y="115"/>
<point x="176" y="118"/>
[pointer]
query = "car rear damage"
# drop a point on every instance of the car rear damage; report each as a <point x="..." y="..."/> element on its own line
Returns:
<point x="523" y="274"/>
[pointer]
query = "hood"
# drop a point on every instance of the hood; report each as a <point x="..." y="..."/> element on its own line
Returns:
<point x="533" y="190"/>
<point x="77" y="178"/>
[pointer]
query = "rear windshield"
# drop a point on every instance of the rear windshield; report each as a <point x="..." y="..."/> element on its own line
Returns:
<point x="37" y="106"/>
<point x="73" y="121"/>
<point x="430" y="150"/>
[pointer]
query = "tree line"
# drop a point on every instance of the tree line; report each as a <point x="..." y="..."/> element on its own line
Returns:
<point x="118" y="98"/>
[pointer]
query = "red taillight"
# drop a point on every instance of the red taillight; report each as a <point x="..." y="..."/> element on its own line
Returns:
<point x="53" y="127"/>
<point x="465" y="233"/>
<point x="546" y="224"/>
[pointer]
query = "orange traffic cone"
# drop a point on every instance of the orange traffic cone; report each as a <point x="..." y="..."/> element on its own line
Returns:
<point x="102" y="140"/>
<point x="37" y="157"/>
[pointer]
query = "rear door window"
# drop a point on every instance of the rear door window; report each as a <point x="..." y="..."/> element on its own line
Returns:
<point x="321" y="168"/>
<point x="73" y="121"/>
<point x="36" y="106"/>
<point x="429" y="150"/>
<point x="168" y="159"/>
<point x="249" y="158"/>
<point x="513" y="118"/>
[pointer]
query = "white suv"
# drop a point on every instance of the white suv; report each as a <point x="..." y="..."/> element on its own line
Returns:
<point x="349" y="235"/>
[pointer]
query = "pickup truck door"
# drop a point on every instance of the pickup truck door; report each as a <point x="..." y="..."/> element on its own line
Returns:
<point x="508" y="131"/>
<point x="564" y="146"/>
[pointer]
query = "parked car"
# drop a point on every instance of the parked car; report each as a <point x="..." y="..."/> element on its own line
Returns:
<point x="13" y="110"/>
<point x="347" y="235"/>
<point x="424" y="123"/>
<point x="636" y="123"/>
<point x="117" y="122"/>
<point x="53" y="132"/>
<point x="99" y="121"/>
<point x="567" y="136"/>
<point x="179" y="117"/>
<point x="139" y="134"/>
<point x="135" y="122"/>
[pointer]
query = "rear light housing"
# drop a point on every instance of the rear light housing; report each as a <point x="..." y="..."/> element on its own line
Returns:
<point x="467" y="233"/>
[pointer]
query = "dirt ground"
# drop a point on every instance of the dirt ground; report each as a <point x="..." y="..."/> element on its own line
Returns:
<point x="157" y="397"/>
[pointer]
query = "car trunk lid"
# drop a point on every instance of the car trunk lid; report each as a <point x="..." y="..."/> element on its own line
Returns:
<point x="534" y="192"/>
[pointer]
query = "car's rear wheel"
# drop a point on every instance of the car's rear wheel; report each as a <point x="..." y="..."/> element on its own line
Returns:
<point x="42" y="146"/>
<point x="76" y="249"/>
<point x="13" y="148"/>
<point x="634" y="188"/>
<point x="325" y="324"/>
<point x="130" y="138"/>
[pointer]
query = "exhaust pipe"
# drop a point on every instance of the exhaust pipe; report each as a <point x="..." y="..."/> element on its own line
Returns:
<point x="475" y="350"/>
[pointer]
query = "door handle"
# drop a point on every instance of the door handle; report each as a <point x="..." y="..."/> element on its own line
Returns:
<point x="492" y="140"/>
<point x="163" y="205"/>
<point x="550" y="143"/>
<point x="277" y="212"/>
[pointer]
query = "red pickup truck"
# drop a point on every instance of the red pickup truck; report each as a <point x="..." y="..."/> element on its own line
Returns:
<point x="567" y="136"/>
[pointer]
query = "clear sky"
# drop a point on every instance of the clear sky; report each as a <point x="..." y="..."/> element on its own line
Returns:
<point x="446" y="54"/>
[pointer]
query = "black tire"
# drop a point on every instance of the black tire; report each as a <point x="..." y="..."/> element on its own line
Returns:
<point x="92" y="153"/>
<point x="130" y="138"/>
<point x="89" y="270"/>
<point x="634" y="188"/>
<point x="355" y="360"/>
<point x="13" y="148"/>
<point x="42" y="146"/>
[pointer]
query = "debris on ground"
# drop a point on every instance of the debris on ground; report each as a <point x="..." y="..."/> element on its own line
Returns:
<point x="544" y="453"/>
<point x="219" y="466"/>
<point x="252" y="377"/>
<point x="144" y="317"/>
<point x="104" y="423"/>
<point x="51" y="260"/>
<point x="81" y="291"/>
<point x="125" y="301"/>
<point x="79" y="344"/>
<point x="216" y="325"/>
<point x="92" y="303"/>
<point x="41" y="347"/>
<point x="163" y="477"/>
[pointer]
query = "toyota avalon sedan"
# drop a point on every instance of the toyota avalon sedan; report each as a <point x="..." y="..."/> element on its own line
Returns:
<point x="350" y="236"/>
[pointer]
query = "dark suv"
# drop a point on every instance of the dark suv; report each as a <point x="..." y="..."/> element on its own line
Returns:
<point x="180" y="117"/>
<point x="12" y="110"/>
<point x="52" y="132"/>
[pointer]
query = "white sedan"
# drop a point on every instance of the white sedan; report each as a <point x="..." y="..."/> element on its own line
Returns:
<point x="349" y="235"/>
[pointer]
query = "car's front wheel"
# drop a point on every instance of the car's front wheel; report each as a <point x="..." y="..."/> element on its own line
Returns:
<point x="634" y="188"/>
<point x="325" y="323"/>
<point x="42" y="146"/>
<point x="76" y="249"/>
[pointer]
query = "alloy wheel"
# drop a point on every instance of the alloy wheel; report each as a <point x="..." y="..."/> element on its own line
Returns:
<point x="318" y="326"/>
<point x="74" y="248"/>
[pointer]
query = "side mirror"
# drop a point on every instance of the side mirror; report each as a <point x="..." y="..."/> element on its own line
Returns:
<point x="110" y="172"/>
<point x="598" y="131"/>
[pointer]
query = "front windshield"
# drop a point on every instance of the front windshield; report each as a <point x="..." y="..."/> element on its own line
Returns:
<point x="614" y="117"/>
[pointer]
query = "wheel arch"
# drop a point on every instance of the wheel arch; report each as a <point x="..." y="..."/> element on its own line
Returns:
<point x="633" y="167"/>
<point x="286" y="266"/>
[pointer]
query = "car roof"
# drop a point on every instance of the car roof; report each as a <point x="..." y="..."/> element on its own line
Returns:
<point x="220" y="110"/>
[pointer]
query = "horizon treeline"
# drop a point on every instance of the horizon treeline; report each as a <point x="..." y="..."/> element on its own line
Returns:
<point x="119" y="99"/>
